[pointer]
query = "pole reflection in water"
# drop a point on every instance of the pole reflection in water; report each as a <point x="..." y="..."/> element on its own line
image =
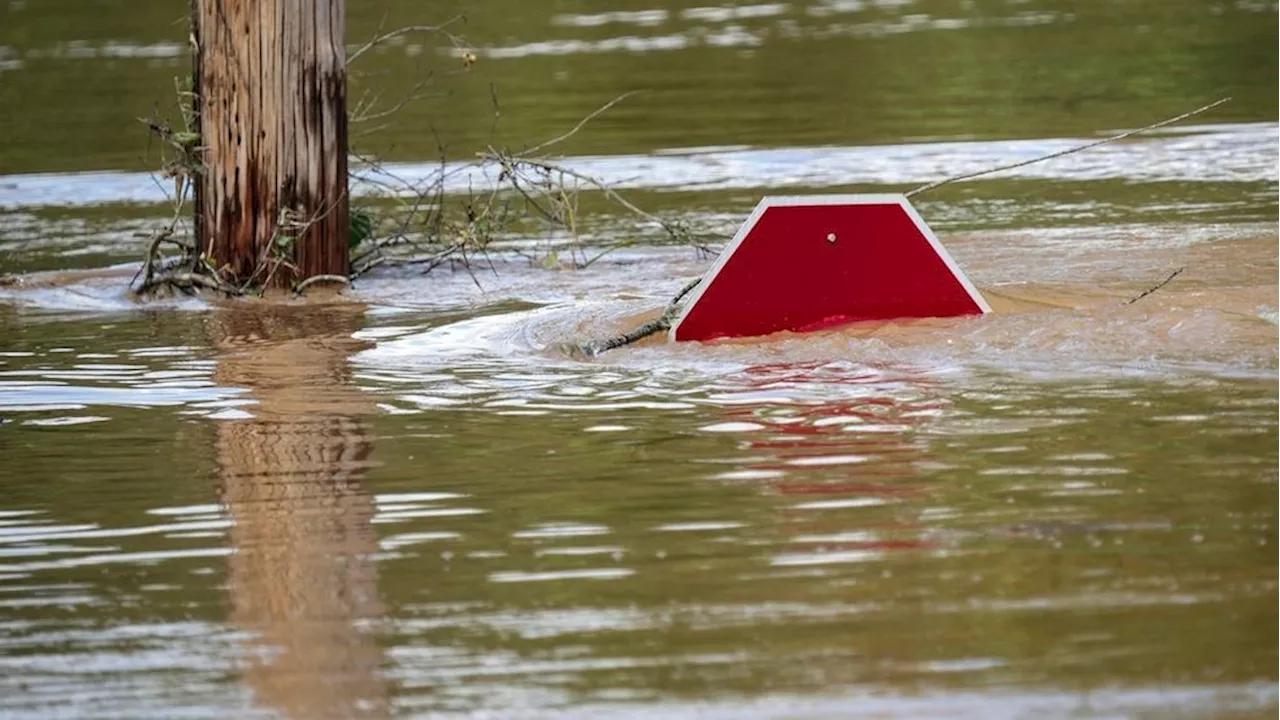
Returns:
<point x="302" y="577"/>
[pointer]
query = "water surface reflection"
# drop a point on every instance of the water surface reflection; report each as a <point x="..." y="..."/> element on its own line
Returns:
<point x="302" y="576"/>
<point x="1065" y="509"/>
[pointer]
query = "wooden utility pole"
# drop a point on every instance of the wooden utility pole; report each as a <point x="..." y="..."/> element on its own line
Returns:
<point x="271" y="86"/>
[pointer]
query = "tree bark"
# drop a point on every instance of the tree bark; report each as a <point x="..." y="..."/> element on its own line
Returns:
<point x="271" y="84"/>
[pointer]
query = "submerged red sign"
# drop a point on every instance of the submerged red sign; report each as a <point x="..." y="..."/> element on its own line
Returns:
<point x="810" y="262"/>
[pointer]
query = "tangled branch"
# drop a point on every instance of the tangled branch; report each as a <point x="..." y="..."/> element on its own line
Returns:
<point x="430" y="227"/>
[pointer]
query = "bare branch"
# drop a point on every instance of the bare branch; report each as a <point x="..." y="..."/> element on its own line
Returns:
<point x="512" y="163"/>
<point x="1060" y="153"/>
<point x="581" y="124"/>
<point x="339" y="279"/>
<point x="364" y="114"/>
<point x="662" y="322"/>
<point x="383" y="37"/>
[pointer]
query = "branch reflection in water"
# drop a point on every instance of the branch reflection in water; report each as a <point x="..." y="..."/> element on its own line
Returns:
<point x="302" y="577"/>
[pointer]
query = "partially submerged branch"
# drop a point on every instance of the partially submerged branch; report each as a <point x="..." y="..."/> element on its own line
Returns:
<point x="188" y="281"/>
<point x="430" y="225"/>
<point x="314" y="279"/>
<point x="664" y="321"/>
<point x="1155" y="287"/>
<point x="522" y="189"/>
<point x="661" y="323"/>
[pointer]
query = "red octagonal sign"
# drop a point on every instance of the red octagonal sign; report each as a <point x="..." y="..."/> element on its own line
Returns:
<point x="809" y="262"/>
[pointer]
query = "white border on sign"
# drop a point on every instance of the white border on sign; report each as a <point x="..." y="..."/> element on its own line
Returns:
<point x="791" y="200"/>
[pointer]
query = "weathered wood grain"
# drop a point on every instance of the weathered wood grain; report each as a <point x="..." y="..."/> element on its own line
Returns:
<point x="272" y="84"/>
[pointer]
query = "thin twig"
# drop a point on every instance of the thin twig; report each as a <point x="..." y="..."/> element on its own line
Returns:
<point x="588" y="262"/>
<point x="365" y="114"/>
<point x="1060" y="153"/>
<point x="383" y="37"/>
<point x="497" y="110"/>
<point x="581" y="124"/>
<point x="1154" y="288"/>
<point x="511" y="163"/>
<point x="431" y="261"/>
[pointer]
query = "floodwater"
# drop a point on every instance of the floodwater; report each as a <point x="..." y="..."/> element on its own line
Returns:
<point x="413" y="504"/>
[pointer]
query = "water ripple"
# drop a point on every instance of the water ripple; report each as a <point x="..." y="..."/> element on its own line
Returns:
<point x="1242" y="152"/>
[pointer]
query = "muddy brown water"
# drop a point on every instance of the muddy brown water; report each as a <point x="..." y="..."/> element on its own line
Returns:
<point x="410" y="503"/>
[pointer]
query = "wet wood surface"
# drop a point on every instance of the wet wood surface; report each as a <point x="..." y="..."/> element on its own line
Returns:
<point x="271" y="79"/>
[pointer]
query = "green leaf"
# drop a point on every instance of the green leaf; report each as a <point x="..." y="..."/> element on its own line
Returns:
<point x="360" y="228"/>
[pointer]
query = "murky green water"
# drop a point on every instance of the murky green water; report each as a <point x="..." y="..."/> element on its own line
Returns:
<point x="414" y="506"/>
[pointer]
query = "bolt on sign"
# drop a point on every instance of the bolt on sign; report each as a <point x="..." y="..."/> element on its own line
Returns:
<point x="809" y="262"/>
